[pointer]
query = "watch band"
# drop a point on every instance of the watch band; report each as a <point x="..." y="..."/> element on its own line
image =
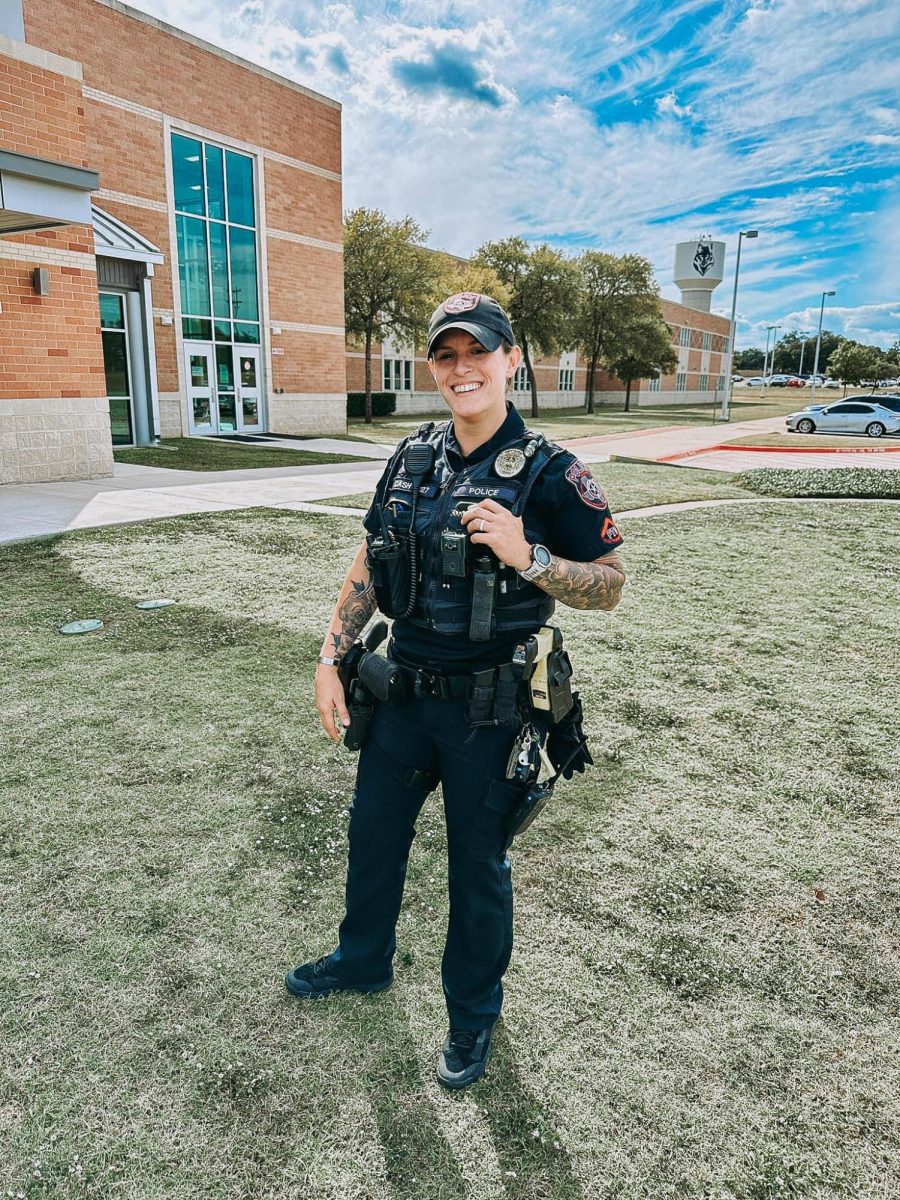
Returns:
<point x="328" y="662"/>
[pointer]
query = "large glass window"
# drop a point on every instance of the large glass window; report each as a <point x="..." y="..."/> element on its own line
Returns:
<point x="217" y="259"/>
<point x="243" y="273"/>
<point x="187" y="172"/>
<point x="239" y="172"/>
<point x="193" y="266"/>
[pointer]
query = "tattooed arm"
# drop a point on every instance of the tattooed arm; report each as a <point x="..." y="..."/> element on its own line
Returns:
<point x="596" y="584"/>
<point x="355" y="604"/>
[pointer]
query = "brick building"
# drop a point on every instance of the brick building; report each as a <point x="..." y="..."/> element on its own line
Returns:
<point x="700" y="340"/>
<point x="170" y="241"/>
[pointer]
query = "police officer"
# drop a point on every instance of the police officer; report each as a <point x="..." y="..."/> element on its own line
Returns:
<point x="497" y="525"/>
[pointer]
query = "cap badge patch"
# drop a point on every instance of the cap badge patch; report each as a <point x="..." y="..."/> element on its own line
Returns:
<point x="461" y="302"/>
<point x="586" y="485"/>
<point x="509" y="463"/>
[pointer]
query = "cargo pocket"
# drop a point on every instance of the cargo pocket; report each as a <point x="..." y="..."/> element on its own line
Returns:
<point x="489" y="837"/>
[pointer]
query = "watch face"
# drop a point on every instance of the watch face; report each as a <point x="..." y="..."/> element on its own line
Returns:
<point x="541" y="555"/>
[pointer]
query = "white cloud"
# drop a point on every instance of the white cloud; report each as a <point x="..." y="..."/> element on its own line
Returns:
<point x="605" y="133"/>
<point x="668" y="105"/>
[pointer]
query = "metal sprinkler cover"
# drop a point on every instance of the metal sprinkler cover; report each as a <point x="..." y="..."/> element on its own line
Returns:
<point x="149" y="605"/>
<point x="81" y="627"/>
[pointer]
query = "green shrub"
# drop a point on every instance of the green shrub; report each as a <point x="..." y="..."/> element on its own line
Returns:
<point x="383" y="404"/>
<point x="851" y="482"/>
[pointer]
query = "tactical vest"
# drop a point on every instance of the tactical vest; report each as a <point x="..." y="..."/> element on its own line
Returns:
<point x="444" y="603"/>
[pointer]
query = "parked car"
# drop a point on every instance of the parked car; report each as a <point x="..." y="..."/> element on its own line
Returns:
<point x="847" y="416"/>
<point x="830" y="383"/>
<point x="796" y="381"/>
<point x="755" y="381"/>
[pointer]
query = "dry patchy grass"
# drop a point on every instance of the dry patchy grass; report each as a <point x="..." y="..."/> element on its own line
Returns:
<point x="704" y="996"/>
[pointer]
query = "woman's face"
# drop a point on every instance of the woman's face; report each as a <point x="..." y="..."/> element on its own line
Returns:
<point x="472" y="380"/>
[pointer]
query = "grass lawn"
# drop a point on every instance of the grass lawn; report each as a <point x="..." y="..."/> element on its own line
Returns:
<point x="204" y="454"/>
<point x="632" y="485"/>
<point x="566" y="423"/>
<point x="703" y="1000"/>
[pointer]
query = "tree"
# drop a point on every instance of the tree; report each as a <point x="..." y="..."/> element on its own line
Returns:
<point x="542" y="294"/>
<point x="389" y="281"/>
<point x="829" y="343"/>
<point x="613" y="289"/>
<point x="463" y="275"/>
<point x="642" y="349"/>
<point x="852" y="362"/>
<point x="749" y="360"/>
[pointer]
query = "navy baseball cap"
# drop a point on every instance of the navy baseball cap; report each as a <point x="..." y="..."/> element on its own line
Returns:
<point x="481" y="316"/>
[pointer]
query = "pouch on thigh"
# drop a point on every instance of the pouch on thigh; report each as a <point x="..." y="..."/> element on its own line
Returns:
<point x="489" y="837"/>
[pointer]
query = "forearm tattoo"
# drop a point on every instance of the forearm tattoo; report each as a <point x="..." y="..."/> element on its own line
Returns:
<point x="352" y="615"/>
<point x="583" y="584"/>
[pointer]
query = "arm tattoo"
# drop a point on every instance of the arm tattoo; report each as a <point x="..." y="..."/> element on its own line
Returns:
<point x="353" y="613"/>
<point x="583" y="584"/>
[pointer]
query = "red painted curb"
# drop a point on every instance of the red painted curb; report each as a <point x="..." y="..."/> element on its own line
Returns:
<point x="809" y="449"/>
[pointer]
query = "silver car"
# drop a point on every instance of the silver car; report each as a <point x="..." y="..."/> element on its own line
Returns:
<point x="847" y="416"/>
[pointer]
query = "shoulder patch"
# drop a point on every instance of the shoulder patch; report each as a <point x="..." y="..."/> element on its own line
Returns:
<point x="609" y="534"/>
<point x="585" y="485"/>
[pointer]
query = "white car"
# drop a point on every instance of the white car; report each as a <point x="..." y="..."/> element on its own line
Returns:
<point x="830" y="383"/>
<point x="847" y="416"/>
<point x="755" y="381"/>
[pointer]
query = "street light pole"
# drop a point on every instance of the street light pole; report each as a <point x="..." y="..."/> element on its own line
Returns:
<point x="769" y="328"/>
<point x="818" y="345"/>
<point x="726" y="395"/>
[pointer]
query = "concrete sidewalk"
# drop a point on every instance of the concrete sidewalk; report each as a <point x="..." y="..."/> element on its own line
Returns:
<point x="144" y="493"/>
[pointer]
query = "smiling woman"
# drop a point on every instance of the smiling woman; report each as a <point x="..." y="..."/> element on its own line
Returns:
<point x="454" y="554"/>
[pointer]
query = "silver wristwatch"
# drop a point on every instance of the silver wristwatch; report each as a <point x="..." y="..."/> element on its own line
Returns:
<point x="540" y="562"/>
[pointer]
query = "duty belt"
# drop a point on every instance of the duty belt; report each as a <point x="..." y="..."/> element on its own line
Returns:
<point x="424" y="683"/>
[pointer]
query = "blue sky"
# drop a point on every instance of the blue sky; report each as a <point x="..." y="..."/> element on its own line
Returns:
<point x="626" y="126"/>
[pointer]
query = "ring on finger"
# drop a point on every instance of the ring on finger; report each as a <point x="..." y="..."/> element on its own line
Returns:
<point x="482" y="525"/>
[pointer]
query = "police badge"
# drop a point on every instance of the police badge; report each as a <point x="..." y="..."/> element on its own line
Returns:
<point x="509" y="463"/>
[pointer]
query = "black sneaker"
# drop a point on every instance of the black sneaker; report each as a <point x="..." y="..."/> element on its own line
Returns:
<point x="314" y="981"/>
<point x="465" y="1057"/>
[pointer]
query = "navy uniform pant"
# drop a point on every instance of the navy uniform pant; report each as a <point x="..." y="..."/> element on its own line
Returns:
<point x="408" y="749"/>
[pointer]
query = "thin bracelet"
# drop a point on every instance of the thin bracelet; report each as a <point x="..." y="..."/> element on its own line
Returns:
<point x="328" y="662"/>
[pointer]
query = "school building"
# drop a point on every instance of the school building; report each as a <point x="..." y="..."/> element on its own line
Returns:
<point x="171" y="253"/>
<point x="170" y="242"/>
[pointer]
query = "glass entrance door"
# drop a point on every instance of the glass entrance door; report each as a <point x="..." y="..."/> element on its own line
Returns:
<point x="200" y="373"/>
<point x="250" y="409"/>
<point x="224" y="388"/>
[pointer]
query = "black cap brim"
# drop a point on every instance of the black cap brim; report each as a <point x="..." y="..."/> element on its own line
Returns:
<point x="489" y="338"/>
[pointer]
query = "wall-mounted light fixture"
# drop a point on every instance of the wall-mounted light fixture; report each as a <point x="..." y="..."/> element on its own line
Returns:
<point x="40" y="280"/>
<point x="164" y="320"/>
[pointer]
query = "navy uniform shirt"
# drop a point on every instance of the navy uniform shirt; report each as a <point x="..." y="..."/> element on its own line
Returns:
<point x="566" y="511"/>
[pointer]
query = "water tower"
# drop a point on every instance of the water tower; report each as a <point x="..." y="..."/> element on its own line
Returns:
<point x="699" y="269"/>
